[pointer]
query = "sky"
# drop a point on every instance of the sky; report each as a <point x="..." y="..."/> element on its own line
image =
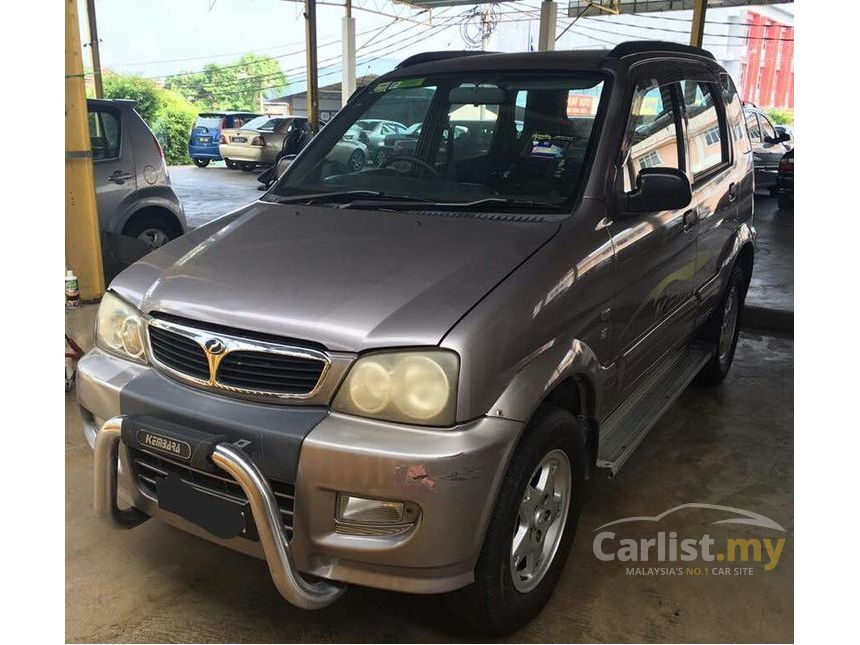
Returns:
<point x="160" y="37"/>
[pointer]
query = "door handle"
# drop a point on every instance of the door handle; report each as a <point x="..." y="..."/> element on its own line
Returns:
<point x="733" y="191"/>
<point x="691" y="218"/>
<point x="120" y="176"/>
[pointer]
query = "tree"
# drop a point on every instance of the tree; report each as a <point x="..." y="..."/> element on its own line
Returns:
<point x="142" y="90"/>
<point x="237" y="86"/>
<point x="167" y="113"/>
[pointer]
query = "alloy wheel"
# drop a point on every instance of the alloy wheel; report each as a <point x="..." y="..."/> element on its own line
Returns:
<point x="541" y="520"/>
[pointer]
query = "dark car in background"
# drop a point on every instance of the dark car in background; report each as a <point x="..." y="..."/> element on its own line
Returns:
<point x="206" y="133"/>
<point x="768" y="147"/>
<point x="785" y="181"/>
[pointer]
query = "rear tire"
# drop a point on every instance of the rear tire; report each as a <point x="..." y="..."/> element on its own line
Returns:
<point x="512" y="585"/>
<point x="154" y="228"/>
<point x="248" y="166"/>
<point x="785" y="202"/>
<point x="232" y="165"/>
<point x="722" y="330"/>
<point x="357" y="161"/>
<point x="200" y="163"/>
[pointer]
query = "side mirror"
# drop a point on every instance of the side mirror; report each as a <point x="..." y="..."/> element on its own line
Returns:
<point x="659" y="189"/>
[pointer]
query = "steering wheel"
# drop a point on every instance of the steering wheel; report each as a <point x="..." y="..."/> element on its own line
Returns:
<point x="413" y="160"/>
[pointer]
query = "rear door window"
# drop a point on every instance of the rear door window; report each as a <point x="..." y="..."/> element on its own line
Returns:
<point x="735" y="115"/>
<point x="753" y="127"/>
<point x="104" y="126"/>
<point x="705" y="127"/>
<point x="652" y="133"/>
<point x="767" y="130"/>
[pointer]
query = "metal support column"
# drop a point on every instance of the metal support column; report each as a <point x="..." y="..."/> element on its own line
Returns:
<point x="697" y="29"/>
<point x="83" y="246"/>
<point x="94" y="48"/>
<point x="548" y="21"/>
<point x="311" y="61"/>
<point x="347" y="84"/>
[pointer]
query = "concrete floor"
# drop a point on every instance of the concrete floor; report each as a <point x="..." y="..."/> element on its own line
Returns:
<point x="207" y="193"/>
<point x="730" y="446"/>
<point x="772" y="284"/>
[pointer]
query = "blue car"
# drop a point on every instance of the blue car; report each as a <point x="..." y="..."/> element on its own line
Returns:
<point x="206" y="134"/>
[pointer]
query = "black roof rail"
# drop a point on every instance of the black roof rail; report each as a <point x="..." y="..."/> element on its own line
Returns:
<point x="429" y="57"/>
<point x="642" y="46"/>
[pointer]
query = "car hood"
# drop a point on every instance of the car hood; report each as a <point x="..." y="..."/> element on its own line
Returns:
<point x="348" y="279"/>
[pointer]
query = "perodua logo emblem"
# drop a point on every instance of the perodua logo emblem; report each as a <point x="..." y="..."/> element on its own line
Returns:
<point x="214" y="346"/>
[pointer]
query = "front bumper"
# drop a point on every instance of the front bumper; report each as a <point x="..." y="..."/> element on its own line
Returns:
<point x="451" y="475"/>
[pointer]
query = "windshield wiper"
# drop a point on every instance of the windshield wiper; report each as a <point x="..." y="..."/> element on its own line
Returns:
<point x="313" y="198"/>
<point x="494" y="201"/>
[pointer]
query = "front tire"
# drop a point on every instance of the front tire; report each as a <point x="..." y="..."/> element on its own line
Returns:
<point x="200" y="163"/>
<point x="723" y="329"/>
<point x="531" y="529"/>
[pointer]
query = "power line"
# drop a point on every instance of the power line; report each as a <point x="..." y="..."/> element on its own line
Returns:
<point x="682" y="31"/>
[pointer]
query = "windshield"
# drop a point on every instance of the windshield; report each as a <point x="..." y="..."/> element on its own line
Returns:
<point x="517" y="138"/>
<point x="208" y="121"/>
<point x="260" y="123"/>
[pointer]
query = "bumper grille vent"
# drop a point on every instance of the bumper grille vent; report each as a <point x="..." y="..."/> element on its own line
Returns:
<point x="149" y="469"/>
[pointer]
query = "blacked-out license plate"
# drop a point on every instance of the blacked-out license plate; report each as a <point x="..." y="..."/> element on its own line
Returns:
<point x="222" y="517"/>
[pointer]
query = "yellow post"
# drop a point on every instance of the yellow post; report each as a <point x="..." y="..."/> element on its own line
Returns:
<point x="83" y="246"/>
<point x="697" y="29"/>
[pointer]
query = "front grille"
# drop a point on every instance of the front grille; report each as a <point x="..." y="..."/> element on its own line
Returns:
<point x="179" y="353"/>
<point x="266" y="372"/>
<point x="150" y="469"/>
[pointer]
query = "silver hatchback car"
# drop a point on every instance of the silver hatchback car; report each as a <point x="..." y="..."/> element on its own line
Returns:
<point x="133" y="191"/>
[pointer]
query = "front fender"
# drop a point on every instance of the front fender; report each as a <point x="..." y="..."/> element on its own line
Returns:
<point x="551" y="365"/>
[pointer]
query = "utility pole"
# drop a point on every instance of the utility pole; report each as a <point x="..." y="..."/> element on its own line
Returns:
<point x="83" y="246"/>
<point x="347" y="84"/>
<point x="313" y="100"/>
<point x="94" y="49"/>
<point x="548" y="20"/>
<point x="697" y="29"/>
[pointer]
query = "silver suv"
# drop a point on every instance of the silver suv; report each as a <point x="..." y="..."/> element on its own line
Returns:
<point x="133" y="189"/>
<point x="404" y="376"/>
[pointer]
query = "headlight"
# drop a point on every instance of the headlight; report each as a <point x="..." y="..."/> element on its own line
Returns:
<point x="408" y="387"/>
<point x="119" y="329"/>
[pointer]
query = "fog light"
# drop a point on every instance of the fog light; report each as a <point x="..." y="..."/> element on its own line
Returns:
<point x="379" y="512"/>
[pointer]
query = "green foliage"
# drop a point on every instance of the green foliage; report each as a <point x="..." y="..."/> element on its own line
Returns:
<point x="236" y="86"/>
<point x="780" y="117"/>
<point x="142" y="90"/>
<point x="168" y="114"/>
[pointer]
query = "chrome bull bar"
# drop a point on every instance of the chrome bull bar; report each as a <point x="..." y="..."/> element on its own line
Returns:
<point x="289" y="582"/>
